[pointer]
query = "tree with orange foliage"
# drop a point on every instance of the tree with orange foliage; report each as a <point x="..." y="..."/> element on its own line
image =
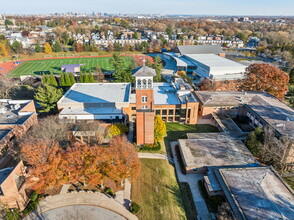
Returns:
<point x="44" y="159"/>
<point x="208" y="85"/>
<point x="265" y="77"/>
<point x="50" y="166"/>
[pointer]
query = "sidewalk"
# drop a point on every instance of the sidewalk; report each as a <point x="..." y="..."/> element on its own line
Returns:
<point x="152" y="156"/>
<point x="192" y="180"/>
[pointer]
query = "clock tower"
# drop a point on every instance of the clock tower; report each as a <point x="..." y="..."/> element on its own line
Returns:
<point x="144" y="104"/>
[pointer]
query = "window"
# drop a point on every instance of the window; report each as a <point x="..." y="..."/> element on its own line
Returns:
<point x="170" y="111"/>
<point x="144" y="99"/>
<point x="164" y="112"/>
<point x="133" y="108"/>
<point x="157" y="112"/>
<point x="149" y="83"/>
<point x="144" y="107"/>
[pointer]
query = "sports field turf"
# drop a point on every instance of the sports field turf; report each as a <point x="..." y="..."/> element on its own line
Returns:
<point x="38" y="67"/>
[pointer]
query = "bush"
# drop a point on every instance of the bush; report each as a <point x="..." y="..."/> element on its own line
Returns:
<point x="135" y="208"/>
<point x="12" y="214"/>
<point x="34" y="196"/>
<point x="110" y="192"/>
<point x="151" y="147"/>
<point x="117" y="129"/>
<point x="182" y="74"/>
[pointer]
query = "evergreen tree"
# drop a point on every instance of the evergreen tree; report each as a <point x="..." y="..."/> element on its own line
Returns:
<point x="52" y="80"/>
<point x="45" y="78"/>
<point x="91" y="78"/>
<point x="82" y="78"/>
<point x="86" y="78"/>
<point x="291" y="76"/>
<point x="38" y="48"/>
<point x="67" y="80"/>
<point x="16" y="47"/>
<point x="47" y="96"/>
<point x="57" y="47"/>
<point x="157" y="65"/>
<point x="72" y="79"/>
<point x="62" y="80"/>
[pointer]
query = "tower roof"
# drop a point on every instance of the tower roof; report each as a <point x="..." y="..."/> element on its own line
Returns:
<point x="144" y="71"/>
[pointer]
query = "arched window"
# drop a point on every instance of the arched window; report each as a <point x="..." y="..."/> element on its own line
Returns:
<point x="144" y="83"/>
<point x="139" y="83"/>
<point x="149" y="83"/>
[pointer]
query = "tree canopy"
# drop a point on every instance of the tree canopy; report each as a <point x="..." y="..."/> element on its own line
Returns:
<point x="50" y="166"/>
<point x="267" y="78"/>
<point x="47" y="96"/>
<point x="159" y="128"/>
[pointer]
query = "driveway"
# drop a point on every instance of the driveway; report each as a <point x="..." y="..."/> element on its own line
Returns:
<point x="192" y="180"/>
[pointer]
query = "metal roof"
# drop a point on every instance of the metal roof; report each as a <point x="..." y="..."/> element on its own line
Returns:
<point x="97" y="93"/>
<point x="200" y="49"/>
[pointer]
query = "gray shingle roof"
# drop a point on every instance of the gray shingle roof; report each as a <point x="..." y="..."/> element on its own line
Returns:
<point x="144" y="71"/>
<point x="200" y="49"/>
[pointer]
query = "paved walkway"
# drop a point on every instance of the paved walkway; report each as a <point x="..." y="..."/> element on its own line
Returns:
<point x="153" y="156"/>
<point x="80" y="206"/>
<point x="192" y="180"/>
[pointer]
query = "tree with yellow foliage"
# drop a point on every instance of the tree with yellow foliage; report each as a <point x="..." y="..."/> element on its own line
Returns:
<point x="47" y="48"/>
<point x="3" y="50"/>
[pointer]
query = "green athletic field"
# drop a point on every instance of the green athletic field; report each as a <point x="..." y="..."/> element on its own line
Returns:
<point x="39" y="67"/>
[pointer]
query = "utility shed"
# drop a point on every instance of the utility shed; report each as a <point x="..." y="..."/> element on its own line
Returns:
<point x="257" y="193"/>
<point x="212" y="149"/>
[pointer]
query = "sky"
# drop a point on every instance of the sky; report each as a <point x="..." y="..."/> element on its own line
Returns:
<point x="191" y="7"/>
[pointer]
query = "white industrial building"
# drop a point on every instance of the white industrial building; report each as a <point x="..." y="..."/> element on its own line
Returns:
<point x="206" y="61"/>
<point x="216" y="67"/>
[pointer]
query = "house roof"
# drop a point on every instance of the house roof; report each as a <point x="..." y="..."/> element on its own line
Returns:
<point x="200" y="49"/>
<point x="144" y="71"/>
<point x="70" y="68"/>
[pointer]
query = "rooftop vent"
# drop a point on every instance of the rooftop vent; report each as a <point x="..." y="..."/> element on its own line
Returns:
<point x="3" y="110"/>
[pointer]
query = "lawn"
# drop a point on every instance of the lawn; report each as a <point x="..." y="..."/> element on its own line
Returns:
<point x="177" y="131"/>
<point x="37" y="67"/>
<point x="157" y="191"/>
<point x="290" y="181"/>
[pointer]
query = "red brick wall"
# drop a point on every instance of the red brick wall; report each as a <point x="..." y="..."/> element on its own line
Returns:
<point x="13" y="197"/>
<point x="145" y="127"/>
<point x="150" y="98"/>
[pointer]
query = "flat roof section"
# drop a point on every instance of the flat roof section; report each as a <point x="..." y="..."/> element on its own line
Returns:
<point x="165" y="94"/>
<point x="91" y="111"/>
<point x="218" y="65"/>
<point x="259" y="193"/>
<point x="200" y="49"/>
<point x="217" y="150"/>
<point x="97" y="93"/>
